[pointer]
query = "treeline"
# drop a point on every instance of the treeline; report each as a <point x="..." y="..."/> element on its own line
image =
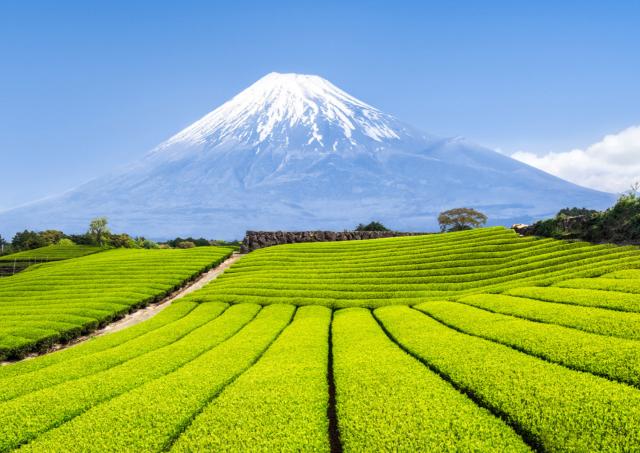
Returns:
<point x="620" y="224"/>
<point x="98" y="234"/>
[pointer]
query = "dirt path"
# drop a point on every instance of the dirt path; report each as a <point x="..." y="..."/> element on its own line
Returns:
<point x="151" y="310"/>
<point x="145" y="313"/>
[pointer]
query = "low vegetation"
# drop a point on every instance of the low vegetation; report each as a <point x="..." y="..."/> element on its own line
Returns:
<point x="58" y="301"/>
<point x="410" y="270"/>
<point x="619" y="224"/>
<point x="54" y="252"/>
<point x="477" y="340"/>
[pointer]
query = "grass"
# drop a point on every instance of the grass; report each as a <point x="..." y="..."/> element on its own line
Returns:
<point x="471" y="341"/>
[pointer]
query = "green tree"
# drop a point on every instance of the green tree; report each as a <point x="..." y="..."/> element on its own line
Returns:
<point x="98" y="229"/>
<point x="459" y="219"/>
<point x="51" y="236"/>
<point x="122" y="240"/>
<point x="27" y="240"/>
<point x="373" y="226"/>
<point x="3" y="244"/>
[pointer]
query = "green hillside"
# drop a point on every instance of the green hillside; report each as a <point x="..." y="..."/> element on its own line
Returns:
<point x="59" y="301"/>
<point x="52" y="253"/>
<point x="17" y="262"/>
<point x="410" y="270"/>
<point x="470" y="341"/>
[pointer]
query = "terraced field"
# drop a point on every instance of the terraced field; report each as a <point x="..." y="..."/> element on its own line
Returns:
<point x="472" y="341"/>
<point x="52" y="253"/>
<point x="58" y="301"/>
<point x="17" y="262"/>
<point x="411" y="270"/>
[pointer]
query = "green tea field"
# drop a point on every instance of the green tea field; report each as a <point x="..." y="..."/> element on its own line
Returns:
<point x="52" y="253"/>
<point x="472" y="341"/>
<point x="61" y="300"/>
<point x="17" y="262"/>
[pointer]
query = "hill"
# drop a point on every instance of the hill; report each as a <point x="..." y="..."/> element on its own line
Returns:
<point x="479" y="340"/>
<point x="409" y="270"/>
<point x="17" y="262"/>
<point x="59" y="301"/>
<point x="52" y="253"/>
<point x="295" y="152"/>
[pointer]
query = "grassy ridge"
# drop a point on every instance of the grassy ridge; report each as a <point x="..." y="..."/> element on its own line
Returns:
<point x="150" y="417"/>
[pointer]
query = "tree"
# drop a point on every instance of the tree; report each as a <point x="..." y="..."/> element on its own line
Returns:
<point x="373" y="226"/>
<point x="98" y="229"/>
<point x="51" y="236"/>
<point x="3" y="243"/>
<point x="27" y="240"/>
<point x="459" y="219"/>
<point x="574" y="212"/>
<point x="122" y="240"/>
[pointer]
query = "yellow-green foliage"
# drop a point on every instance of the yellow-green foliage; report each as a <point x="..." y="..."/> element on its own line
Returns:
<point x="615" y="358"/>
<point x="409" y="270"/>
<point x="388" y="401"/>
<point x="484" y="341"/>
<point x="283" y="397"/>
<point x="52" y="253"/>
<point x="558" y="409"/>
<point x="595" y="320"/>
<point x="150" y="417"/>
<point x="61" y="300"/>
<point x="25" y="417"/>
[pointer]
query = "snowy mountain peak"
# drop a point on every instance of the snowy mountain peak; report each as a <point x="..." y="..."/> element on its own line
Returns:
<point x="293" y="110"/>
<point x="294" y="152"/>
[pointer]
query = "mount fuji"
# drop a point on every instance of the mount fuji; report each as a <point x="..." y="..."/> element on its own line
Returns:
<point x="294" y="152"/>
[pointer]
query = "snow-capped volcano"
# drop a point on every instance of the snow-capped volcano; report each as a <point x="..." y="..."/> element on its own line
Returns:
<point x="302" y="111"/>
<point x="296" y="152"/>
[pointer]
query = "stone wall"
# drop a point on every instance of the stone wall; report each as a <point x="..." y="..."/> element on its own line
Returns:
<point x="254" y="240"/>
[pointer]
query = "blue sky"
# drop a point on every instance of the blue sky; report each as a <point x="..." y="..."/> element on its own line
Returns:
<point x="85" y="88"/>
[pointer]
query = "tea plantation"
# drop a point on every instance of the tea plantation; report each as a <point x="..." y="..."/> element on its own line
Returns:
<point x="472" y="341"/>
<point x="52" y="253"/>
<point x="58" y="301"/>
<point x="17" y="262"/>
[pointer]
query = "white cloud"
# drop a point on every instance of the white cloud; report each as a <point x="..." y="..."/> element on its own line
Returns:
<point x="612" y="164"/>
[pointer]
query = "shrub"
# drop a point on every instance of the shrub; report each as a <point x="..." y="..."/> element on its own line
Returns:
<point x="372" y="226"/>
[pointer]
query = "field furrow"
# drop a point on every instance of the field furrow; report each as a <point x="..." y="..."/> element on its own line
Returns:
<point x="25" y="417"/>
<point x="594" y="320"/>
<point x="152" y="417"/>
<point x="388" y="401"/>
<point x="615" y="358"/>
<point x="558" y="408"/>
<point x="283" y="397"/>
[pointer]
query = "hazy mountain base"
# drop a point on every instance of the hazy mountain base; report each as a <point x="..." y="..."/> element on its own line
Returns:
<point x="294" y="152"/>
<point x="404" y="191"/>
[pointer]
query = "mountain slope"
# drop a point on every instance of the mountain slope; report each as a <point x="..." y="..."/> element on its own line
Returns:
<point x="296" y="152"/>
